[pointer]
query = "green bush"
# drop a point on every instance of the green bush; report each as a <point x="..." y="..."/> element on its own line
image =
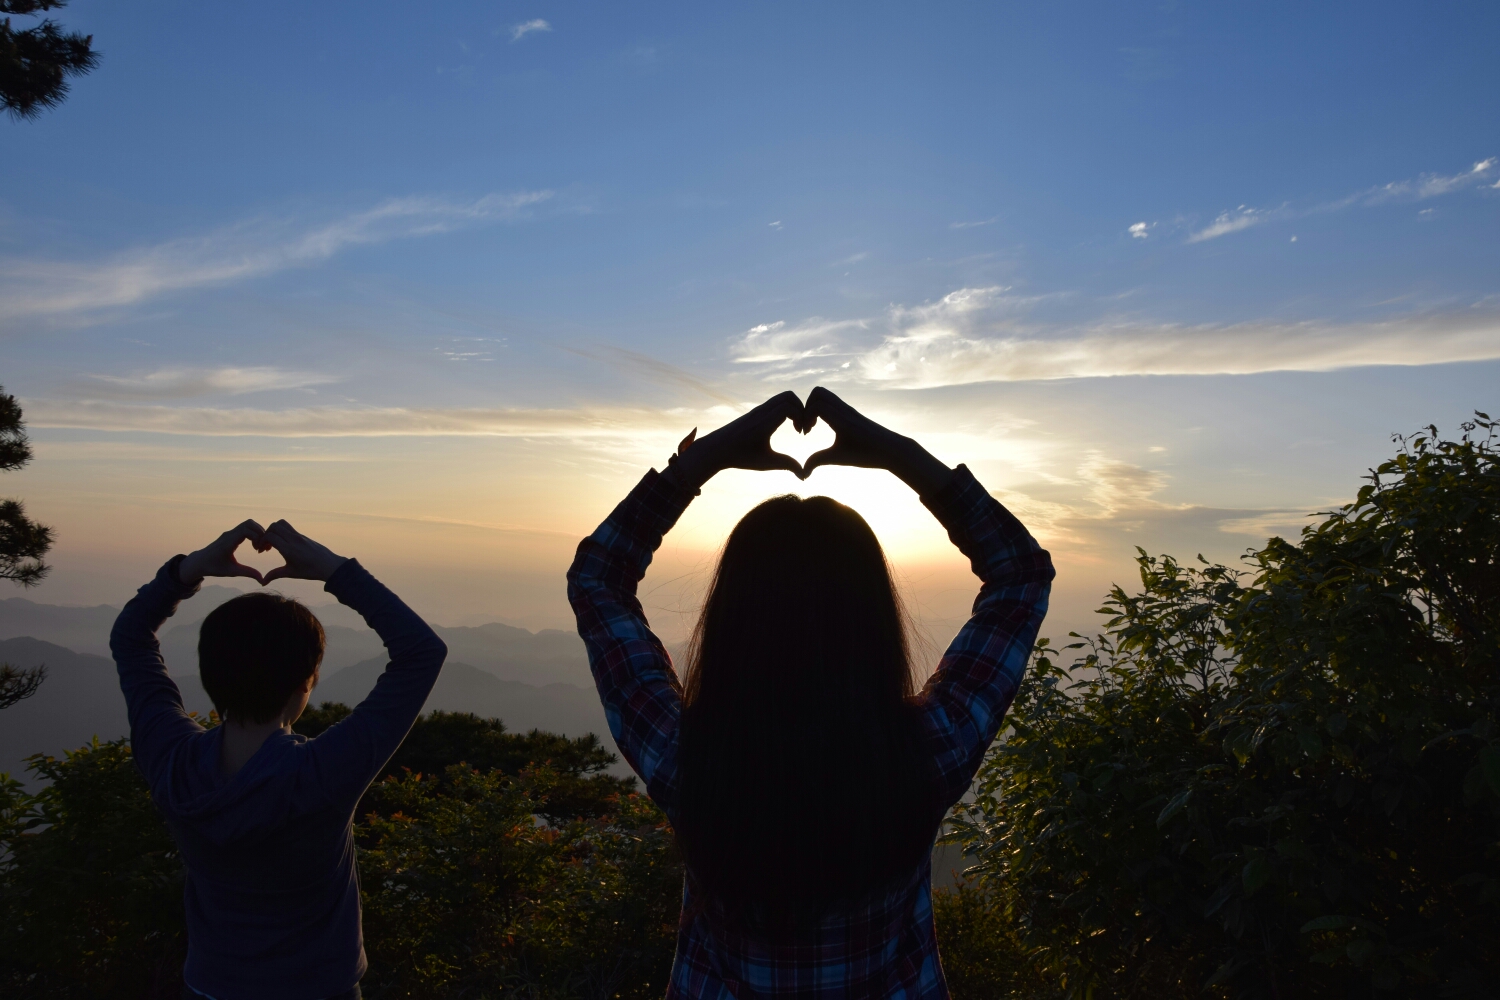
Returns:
<point x="90" y="882"/>
<point x="1283" y="788"/>
<point x="528" y="878"/>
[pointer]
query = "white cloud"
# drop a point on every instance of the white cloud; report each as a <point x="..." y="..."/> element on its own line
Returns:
<point x="40" y="288"/>
<point x="177" y="383"/>
<point x="1139" y="230"/>
<point x="1432" y="185"/>
<point x="776" y="342"/>
<point x="1230" y="222"/>
<point x="982" y="335"/>
<point x="520" y="31"/>
<point x="1424" y="187"/>
<point x="335" y="421"/>
<point x="975" y="224"/>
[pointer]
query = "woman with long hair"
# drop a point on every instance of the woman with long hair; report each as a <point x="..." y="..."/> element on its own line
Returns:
<point x="803" y="775"/>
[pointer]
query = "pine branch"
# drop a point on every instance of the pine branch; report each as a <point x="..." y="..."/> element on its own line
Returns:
<point x="35" y="63"/>
<point x="23" y="542"/>
<point x="17" y="684"/>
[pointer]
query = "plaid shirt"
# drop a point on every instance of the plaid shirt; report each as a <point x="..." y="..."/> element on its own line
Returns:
<point x="885" y="947"/>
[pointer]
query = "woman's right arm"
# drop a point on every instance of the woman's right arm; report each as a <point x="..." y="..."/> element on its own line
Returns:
<point x="637" y="685"/>
<point x="640" y="691"/>
<point x="966" y="699"/>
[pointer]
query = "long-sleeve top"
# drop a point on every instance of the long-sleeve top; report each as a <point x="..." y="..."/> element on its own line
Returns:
<point x="272" y="893"/>
<point x="884" y="946"/>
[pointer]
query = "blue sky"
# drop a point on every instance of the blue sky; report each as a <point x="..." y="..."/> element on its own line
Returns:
<point x="1166" y="274"/>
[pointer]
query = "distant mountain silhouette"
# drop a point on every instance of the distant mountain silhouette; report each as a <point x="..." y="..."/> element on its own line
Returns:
<point x="530" y="680"/>
<point x="538" y="658"/>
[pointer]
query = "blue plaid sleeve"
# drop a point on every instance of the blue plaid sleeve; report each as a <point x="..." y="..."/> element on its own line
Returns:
<point x="965" y="701"/>
<point x="640" y="691"/>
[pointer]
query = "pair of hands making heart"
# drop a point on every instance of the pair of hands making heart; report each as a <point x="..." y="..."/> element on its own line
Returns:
<point x="305" y="558"/>
<point x="746" y="444"/>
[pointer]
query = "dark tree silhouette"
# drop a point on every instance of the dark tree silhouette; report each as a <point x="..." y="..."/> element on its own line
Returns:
<point x="23" y="542"/>
<point x="18" y="685"/>
<point x="35" y="62"/>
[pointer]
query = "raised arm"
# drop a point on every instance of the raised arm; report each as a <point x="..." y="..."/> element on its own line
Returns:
<point x="965" y="701"/>
<point x="152" y="701"/>
<point x="639" y="689"/>
<point x="348" y="755"/>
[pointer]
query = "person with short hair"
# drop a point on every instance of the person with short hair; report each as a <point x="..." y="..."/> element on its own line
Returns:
<point x="803" y="775"/>
<point x="263" y="816"/>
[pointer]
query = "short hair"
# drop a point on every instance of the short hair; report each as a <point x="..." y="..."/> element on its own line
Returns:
<point x="254" y="651"/>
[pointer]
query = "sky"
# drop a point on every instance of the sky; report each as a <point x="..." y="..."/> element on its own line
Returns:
<point x="438" y="285"/>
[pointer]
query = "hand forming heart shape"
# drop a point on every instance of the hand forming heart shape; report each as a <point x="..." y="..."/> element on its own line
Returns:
<point x="305" y="558"/>
<point x="745" y="443"/>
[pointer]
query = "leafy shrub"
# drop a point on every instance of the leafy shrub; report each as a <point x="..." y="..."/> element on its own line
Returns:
<point x="983" y="953"/>
<point x="528" y="879"/>
<point x="1284" y="788"/>
<point x="90" y="882"/>
<point x="467" y="895"/>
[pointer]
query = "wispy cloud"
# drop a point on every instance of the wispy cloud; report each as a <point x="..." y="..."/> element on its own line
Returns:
<point x="181" y="383"/>
<point x="1231" y="222"/>
<point x="1423" y="187"/>
<point x="983" y="335"/>
<point x="777" y="342"/>
<point x="335" y="421"/>
<point x="975" y="224"/>
<point x="1140" y="230"/>
<point x="520" y="31"/>
<point x="40" y="288"/>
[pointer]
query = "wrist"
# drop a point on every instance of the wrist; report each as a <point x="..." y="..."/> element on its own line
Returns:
<point x="689" y="470"/>
<point x="189" y="573"/>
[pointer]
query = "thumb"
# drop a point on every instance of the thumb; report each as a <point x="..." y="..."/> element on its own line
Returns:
<point x="276" y="574"/>
<point x="240" y="569"/>
<point x="828" y="456"/>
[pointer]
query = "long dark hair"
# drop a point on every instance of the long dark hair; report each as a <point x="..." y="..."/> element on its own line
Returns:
<point x="801" y="788"/>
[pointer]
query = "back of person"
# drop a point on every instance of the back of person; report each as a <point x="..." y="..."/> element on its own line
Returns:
<point x="805" y="779"/>
<point x="263" y="816"/>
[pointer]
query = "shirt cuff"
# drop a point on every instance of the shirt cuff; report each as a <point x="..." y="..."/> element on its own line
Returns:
<point x="169" y="575"/>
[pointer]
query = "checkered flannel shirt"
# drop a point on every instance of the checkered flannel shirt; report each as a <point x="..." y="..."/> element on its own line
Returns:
<point x="884" y="947"/>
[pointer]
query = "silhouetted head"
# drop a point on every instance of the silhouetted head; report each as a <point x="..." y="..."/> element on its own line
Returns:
<point x="255" y="652"/>
<point x="800" y="782"/>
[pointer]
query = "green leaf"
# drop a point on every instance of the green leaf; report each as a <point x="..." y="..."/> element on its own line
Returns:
<point x="1332" y="922"/>
<point x="1489" y="763"/>
<point x="1178" y="804"/>
<point x="1255" y="874"/>
<point x="1359" y="950"/>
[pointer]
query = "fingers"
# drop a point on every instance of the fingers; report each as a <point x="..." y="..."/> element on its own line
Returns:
<point x="284" y="537"/>
<point x="276" y="574"/>
<point x="781" y="406"/>
<point x="823" y="404"/>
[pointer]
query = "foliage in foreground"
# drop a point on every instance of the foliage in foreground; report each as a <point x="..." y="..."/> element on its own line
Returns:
<point x="1283" y="788"/>
<point x="476" y="883"/>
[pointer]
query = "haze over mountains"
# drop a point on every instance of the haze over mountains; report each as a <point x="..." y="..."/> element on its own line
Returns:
<point x="531" y="680"/>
